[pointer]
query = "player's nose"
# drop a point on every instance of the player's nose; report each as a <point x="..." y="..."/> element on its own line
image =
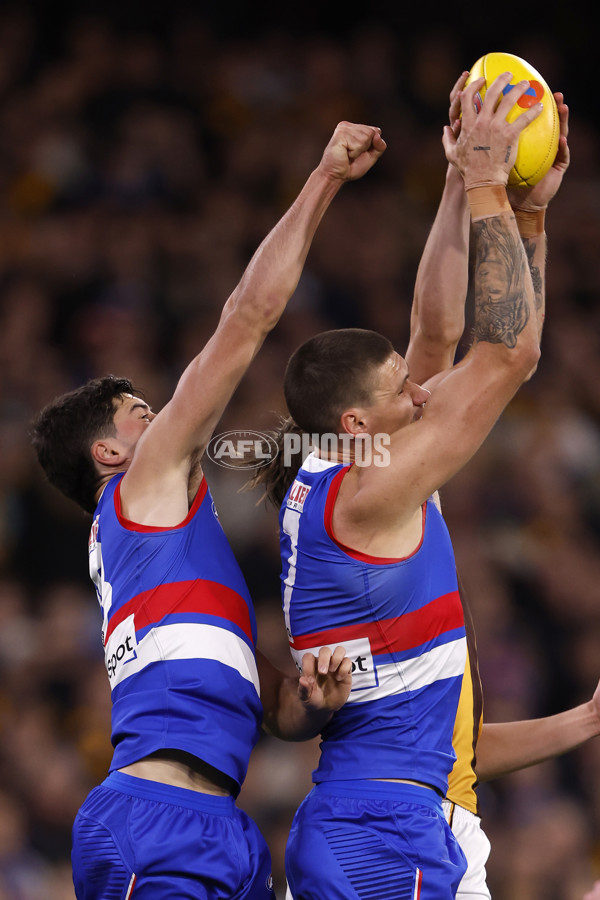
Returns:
<point x="420" y="395"/>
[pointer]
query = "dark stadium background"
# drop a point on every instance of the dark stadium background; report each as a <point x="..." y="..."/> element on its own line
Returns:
<point x="145" y="150"/>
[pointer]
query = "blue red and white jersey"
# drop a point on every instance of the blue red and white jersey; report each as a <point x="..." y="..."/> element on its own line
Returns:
<point x="179" y="635"/>
<point x="401" y="622"/>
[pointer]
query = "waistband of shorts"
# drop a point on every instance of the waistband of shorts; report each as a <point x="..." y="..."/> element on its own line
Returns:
<point x="456" y="814"/>
<point x="398" y="792"/>
<point x="168" y="793"/>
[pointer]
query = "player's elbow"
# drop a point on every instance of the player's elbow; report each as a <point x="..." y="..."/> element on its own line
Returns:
<point x="261" y="310"/>
<point x="523" y="363"/>
<point x="532" y="371"/>
<point x="521" y="358"/>
<point x="529" y="358"/>
<point x="449" y="324"/>
<point x="513" y="364"/>
<point x="443" y="332"/>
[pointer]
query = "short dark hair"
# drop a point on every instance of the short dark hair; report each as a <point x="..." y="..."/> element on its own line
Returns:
<point x="329" y="373"/>
<point x="64" y="431"/>
<point x="325" y="375"/>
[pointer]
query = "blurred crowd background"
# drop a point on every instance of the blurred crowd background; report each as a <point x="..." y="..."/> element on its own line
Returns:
<point x="143" y="156"/>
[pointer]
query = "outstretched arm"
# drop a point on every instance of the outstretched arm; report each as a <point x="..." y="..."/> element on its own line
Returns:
<point x="508" y="746"/>
<point x="265" y="288"/>
<point x="296" y="709"/>
<point x="178" y="435"/>
<point x="437" y="317"/>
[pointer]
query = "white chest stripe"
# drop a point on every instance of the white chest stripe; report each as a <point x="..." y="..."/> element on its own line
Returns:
<point x="446" y="661"/>
<point x="125" y="657"/>
<point x="372" y="682"/>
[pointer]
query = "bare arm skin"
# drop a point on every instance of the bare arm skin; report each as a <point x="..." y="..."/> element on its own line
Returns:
<point x="508" y="746"/>
<point x="438" y="311"/>
<point x="296" y="709"/>
<point x="437" y="315"/>
<point x="437" y="319"/>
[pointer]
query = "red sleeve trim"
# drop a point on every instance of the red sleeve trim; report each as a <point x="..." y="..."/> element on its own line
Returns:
<point x="332" y="494"/>
<point x="135" y="526"/>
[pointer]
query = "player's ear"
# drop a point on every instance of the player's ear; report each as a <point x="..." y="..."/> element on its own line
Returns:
<point x="353" y="421"/>
<point x="106" y="452"/>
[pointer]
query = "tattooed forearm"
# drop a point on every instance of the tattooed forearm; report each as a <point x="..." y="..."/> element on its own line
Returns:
<point x="500" y="321"/>
<point x="501" y="307"/>
<point x="536" y="274"/>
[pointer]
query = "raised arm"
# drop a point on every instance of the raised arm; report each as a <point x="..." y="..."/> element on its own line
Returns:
<point x="437" y="317"/>
<point x="468" y="400"/>
<point x="180" y="432"/>
<point x="509" y="746"/>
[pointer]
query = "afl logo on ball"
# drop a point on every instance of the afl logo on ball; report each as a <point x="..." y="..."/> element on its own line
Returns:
<point x="532" y="95"/>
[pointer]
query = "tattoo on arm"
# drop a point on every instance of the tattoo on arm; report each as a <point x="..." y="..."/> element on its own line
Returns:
<point x="536" y="274"/>
<point x="501" y="307"/>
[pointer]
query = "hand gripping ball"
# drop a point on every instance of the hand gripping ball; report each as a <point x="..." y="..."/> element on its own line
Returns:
<point x="538" y="142"/>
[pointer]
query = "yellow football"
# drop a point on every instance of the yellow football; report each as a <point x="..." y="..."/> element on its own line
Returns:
<point x="538" y="142"/>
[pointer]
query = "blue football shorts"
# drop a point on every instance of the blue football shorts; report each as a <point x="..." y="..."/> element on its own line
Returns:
<point x="135" y="839"/>
<point x="372" y="840"/>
